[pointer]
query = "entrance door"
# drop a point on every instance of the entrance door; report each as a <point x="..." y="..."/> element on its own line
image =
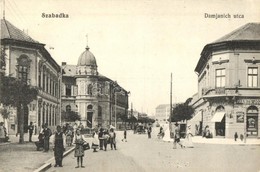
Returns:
<point x="252" y="121"/>
<point x="89" y="119"/>
<point x="220" y="127"/>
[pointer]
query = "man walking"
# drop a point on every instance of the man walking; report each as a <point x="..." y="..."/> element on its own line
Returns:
<point x="176" y="136"/>
<point x="46" y="134"/>
<point x="30" y="128"/>
<point x="149" y="130"/>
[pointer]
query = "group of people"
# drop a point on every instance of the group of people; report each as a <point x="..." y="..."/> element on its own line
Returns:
<point x="100" y="139"/>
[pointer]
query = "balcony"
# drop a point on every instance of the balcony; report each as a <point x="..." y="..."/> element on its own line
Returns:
<point x="220" y="90"/>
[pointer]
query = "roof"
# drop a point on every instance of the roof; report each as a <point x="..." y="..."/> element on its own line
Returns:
<point x="69" y="70"/>
<point x="9" y="31"/>
<point x="250" y="31"/>
<point x="247" y="35"/>
<point x="87" y="59"/>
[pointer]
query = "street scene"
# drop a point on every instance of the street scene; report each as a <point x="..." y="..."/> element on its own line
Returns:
<point x="129" y="86"/>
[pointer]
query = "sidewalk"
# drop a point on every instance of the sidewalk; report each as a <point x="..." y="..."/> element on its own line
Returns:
<point x="22" y="157"/>
<point x="228" y="141"/>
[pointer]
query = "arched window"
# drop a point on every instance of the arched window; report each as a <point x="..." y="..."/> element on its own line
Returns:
<point x="90" y="88"/>
<point x="220" y="109"/>
<point x="68" y="108"/>
<point x="89" y="107"/>
<point x="23" y="68"/>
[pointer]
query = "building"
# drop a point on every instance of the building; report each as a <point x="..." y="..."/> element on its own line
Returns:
<point x="28" y="60"/>
<point x="97" y="99"/>
<point x="162" y="113"/>
<point x="228" y="98"/>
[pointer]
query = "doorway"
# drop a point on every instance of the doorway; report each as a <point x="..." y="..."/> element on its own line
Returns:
<point x="89" y="119"/>
<point x="252" y="121"/>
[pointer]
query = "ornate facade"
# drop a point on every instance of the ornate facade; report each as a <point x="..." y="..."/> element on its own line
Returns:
<point x="97" y="99"/>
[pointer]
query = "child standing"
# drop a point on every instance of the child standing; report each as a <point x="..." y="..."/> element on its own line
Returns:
<point x="125" y="133"/>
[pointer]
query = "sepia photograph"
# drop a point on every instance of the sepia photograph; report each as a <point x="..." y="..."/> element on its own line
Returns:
<point x="130" y="85"/>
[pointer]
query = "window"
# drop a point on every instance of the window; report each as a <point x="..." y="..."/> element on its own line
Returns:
<point x="68" y="108"/>
<point x="68" y="90"/>
<point x="90" y="87"/>
<point x="252" y="77"/>
<point x="23" y="73"/>
<point x="220" y="78"/>
<point x="23" y="68"/>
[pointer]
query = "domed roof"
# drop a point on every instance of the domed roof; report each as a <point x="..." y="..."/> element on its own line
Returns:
<point x="87" y="59"/>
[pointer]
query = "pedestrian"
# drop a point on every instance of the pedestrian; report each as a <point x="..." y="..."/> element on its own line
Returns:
<point x="79" y="151"/>
<point x="241" y="137"/>
<point x="188" y="139"/>
<point x="235" y="136"/>
<point x="95" y="141"/>
<point x="69" y="135"/>
<point x="106" y="138"/>
<point x="58" y="146"/>
<point x="149" y="131"/>
<point x="125" y="133"/>
<point x="35" y="128"/>
<point x="2" y="132"/>
<point x="46" y="136"/>
<point x="176" y="136"/>
<point x="112" y="139"/>
<point x="30" y="128"/>
<point x="101" y="139"/>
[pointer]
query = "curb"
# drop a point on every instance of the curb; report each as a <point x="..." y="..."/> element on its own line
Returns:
<point x="47" y="164"/>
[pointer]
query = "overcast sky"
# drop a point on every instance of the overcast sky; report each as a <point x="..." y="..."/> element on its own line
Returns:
<point x="138" y="43"/>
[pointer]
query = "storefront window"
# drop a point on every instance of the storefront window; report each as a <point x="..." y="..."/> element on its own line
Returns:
<point x="252" y="121"/>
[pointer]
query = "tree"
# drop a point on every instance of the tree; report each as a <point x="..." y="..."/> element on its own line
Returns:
<point x="17" y="94"/>
<point x="70" y="116"/>
<point x="5" y="112"/>
<point x="182" y="111"/>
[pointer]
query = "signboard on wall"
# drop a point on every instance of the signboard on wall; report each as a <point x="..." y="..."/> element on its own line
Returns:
<point x="249" y="101"/>
<point x="240" y="117"/>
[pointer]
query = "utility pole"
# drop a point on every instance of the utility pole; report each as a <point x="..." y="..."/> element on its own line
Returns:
<point x="170" y="119"/>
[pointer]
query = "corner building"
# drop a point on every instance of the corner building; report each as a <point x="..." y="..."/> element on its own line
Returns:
<point x="228" y="98"/>
<point x="29" y="61"/>
<point x="97" y="99"/>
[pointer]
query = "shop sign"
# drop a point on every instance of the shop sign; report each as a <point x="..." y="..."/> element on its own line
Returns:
<point x="249" y="101"/>
<point x="240" y="117"/>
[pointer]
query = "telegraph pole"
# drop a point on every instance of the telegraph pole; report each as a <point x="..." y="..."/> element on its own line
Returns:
<point x="170" y="119"/>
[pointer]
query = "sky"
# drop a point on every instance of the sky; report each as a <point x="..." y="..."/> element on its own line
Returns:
<point x="137" y="43"/>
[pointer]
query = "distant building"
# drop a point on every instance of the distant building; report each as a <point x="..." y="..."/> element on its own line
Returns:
<point x="162" y="113"/>
<point x="97" y="99"/>
<point x="228" y="98"/>
<point x="29" y="61"/>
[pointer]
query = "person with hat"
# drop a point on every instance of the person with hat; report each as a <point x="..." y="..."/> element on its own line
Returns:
<point x="58" y="148"/>
<point x="177" y="136"/>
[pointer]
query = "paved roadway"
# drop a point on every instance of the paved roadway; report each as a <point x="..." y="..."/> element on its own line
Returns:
<point x="153" y="155"/>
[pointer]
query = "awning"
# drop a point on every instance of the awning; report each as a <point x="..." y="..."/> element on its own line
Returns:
<point x="218" y="116"/>
<point x="197" y="117"/>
